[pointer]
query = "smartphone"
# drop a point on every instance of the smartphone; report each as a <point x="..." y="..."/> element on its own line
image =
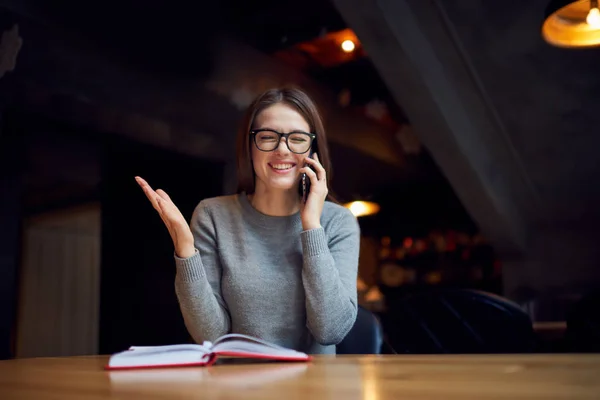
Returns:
<point x="304" y="186"/>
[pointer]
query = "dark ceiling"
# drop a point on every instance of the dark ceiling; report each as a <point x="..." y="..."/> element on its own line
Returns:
<point x="547" y="98"/>
<point x="174" y="42"/>
<point x="278" y="27"/>
<point x="274" y="25"/>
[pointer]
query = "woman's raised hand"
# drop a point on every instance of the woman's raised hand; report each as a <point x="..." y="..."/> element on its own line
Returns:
<point x="178" y="228"/>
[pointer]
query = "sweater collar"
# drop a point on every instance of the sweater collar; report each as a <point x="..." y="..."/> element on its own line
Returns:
<point x="268" y="221"/>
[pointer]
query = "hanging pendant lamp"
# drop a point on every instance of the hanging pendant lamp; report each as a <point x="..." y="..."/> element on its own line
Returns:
<point x="572" y="24"/>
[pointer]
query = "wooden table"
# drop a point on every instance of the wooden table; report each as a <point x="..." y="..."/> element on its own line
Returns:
<point x="327" y="377"/>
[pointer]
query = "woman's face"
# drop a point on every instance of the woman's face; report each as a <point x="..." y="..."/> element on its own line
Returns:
<point x="278" y="169"/>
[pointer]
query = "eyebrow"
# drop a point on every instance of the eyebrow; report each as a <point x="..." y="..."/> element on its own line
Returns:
<point x="264" y="128"/>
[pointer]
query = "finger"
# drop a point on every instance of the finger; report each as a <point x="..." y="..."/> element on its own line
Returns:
<point x="163" y="194"/>
<point x="311" y="175"/>
<point x="150" y="194"/>
<point x="162" y="203"/>
<point x="166" y="208"/>
<point x="166" y="212"/>
<point x="140" y="180"/>
<point x="174" y="221"/>
<point x="142" y="183"/>
<point x="165" y="217"/>
<point x="162" y="210"/>
<point x="314" y="159"/>
<point x="321" y="173"/>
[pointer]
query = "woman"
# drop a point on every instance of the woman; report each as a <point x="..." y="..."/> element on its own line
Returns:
<point x="263" y="262"/>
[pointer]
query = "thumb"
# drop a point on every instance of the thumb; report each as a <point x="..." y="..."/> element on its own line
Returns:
<point x="163" y="194"/>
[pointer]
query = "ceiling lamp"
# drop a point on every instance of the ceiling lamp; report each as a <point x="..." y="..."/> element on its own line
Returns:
<point x="572" y="24"/>
<point x="362" y="208"/>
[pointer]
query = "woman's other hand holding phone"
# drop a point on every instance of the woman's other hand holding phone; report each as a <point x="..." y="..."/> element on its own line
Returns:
<point x="312" y="209"/>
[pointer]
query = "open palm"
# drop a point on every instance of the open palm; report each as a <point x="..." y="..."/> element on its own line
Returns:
<point x="178" y="228"/>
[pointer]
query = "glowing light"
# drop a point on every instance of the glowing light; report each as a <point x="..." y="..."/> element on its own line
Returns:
<point x="593" y="18"/>
<point x="348" y="46"/>
<point x="572" y="24"/>
<point x="362" y="208"/>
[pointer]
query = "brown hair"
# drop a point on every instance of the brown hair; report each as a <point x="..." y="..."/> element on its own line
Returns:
<point x="299" y="101"/>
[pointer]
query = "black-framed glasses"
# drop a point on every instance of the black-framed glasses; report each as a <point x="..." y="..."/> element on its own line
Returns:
<point x="269" y="139"/>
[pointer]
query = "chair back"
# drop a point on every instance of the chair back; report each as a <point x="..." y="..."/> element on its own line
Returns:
<point x="459" y="321"/>
<point x="365" y="337"/>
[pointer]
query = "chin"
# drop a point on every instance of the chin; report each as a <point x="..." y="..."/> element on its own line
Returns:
<point x="282" y="185"/>
<point x="273" y="181"/>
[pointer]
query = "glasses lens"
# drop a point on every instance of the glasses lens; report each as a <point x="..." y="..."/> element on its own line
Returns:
<point x="299" y="142"/>
<point x="266" y="140"/>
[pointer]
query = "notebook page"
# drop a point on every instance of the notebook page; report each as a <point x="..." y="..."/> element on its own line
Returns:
<point x="163" y="355"/>
<point x="193" y="347"/>
<point x="256" y="348"/>
<point x="247" y="344"/>
<point x="245" y="338"/>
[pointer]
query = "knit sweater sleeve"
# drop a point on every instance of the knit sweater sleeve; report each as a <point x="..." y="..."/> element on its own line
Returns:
<point x="198" y="282"/>
<point x="329" y="273"/>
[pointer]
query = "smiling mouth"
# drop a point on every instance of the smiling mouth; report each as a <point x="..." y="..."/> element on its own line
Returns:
<point x="282" y="166"/>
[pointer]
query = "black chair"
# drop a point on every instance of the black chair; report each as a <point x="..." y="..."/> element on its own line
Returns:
<point x="458" y="321"/>
<point x="365" y="337"/>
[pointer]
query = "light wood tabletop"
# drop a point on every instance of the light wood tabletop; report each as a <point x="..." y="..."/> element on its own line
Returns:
<point x="326" y="377"/>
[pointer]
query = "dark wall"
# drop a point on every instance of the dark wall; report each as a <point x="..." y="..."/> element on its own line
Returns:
<point x="10" y="191"/>
<point x="10" y="223"/>
<point x="138" y="305"/>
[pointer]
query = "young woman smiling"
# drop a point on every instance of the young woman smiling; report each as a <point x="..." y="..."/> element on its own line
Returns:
<point x="263" y="262"/>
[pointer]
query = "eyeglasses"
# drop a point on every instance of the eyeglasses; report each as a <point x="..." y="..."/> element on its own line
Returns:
<point x="269" y="140"/>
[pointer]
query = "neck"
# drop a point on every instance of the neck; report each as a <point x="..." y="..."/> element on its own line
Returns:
<point x="277" y="203"/>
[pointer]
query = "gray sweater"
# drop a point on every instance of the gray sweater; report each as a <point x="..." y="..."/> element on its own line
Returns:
<point x="264" y="276"/>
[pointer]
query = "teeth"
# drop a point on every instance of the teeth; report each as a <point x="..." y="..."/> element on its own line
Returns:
<point x="281" y="166"/>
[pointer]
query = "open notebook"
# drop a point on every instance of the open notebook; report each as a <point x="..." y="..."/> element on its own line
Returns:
<point x="179" y="355"/>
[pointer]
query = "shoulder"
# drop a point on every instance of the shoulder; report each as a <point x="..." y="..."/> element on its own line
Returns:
<point x="337" y="217"/>
<point x="333" y="210"/>
<point x="212" y="206"/>
<point x="226" y="201"/>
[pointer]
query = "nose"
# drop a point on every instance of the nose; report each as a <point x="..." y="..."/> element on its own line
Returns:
<point x="282" y="148"/>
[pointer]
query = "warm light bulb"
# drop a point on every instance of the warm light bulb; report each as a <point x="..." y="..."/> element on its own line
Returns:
<point x="362" y="208"/>
<point x="593" y="18"/>
<point x="348" y="46"/>
<point x="358" y="208"/>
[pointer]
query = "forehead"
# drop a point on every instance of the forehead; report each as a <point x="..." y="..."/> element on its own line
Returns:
<point x="282" y="118"/>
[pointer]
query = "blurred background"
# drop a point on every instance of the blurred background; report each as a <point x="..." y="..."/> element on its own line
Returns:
<point x="473" y="139"/>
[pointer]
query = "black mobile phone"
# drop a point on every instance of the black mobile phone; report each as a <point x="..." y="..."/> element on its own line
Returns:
<point x="304" y="186"/>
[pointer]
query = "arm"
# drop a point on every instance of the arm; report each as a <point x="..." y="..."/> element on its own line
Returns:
<point x="329" y="275"/>
<point x="198" y="283"/>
